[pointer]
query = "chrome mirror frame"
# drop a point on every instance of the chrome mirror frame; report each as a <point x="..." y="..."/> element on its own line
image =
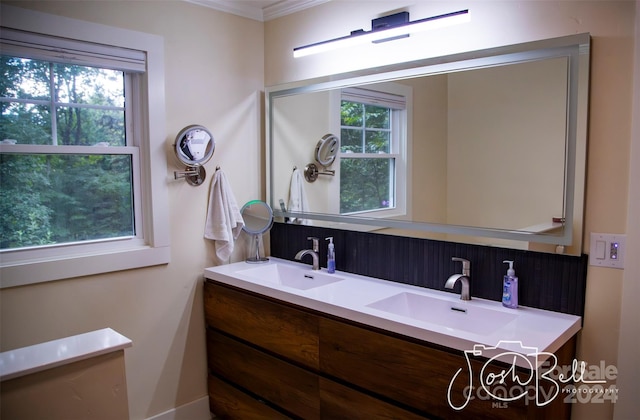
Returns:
<point x="575" y="48"/>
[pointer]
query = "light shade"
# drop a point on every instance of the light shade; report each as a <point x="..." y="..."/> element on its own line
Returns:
<point x="388" y="33"/>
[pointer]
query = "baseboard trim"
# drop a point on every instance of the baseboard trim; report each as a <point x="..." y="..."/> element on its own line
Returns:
<point x="195" y="410"/>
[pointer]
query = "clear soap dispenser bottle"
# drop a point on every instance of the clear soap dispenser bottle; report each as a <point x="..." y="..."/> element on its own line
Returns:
<point x="331" y="256"/>
<point x="510" y="287"/>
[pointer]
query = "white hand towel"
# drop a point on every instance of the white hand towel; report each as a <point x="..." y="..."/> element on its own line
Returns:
<point x="297" y="197"/>
<point x="224" y="221"/>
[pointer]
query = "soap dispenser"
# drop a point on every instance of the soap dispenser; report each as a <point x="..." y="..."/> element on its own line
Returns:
<point x="510" y="287"/>
<point x="331" y="256"/>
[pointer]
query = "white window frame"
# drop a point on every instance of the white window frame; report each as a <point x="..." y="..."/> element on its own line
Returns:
<point x="401" y="145"/>
<point x="151" y="246"/>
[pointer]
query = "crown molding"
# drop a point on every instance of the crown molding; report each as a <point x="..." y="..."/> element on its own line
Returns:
<point x="287" y="7"/>
<point x="259" y="10"/>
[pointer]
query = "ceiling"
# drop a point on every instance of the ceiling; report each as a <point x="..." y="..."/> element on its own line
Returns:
<point x="262" y="10"/>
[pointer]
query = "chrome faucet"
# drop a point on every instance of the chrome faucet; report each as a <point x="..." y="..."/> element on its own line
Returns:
<point x="313" y="252"/>
<point x="463" y="278"/>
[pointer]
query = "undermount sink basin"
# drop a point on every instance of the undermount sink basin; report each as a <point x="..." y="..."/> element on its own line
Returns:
<point x="453" y="315"/>
<point x="294" y="277"/>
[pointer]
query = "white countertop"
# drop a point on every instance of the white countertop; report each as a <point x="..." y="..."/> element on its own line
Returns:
<point x="532" y="329"/>
<point x="42" y="356"/>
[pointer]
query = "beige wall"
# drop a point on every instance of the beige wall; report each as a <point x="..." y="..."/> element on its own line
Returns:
<point x="214" y="77"/>
<point x="300" y="122"/>
<point x="517" y="161"/>
<point x="429" y="194"/>
<point x="159" y="308"/>
<point x="629" y="345"/>
<point x="494" y="23"/>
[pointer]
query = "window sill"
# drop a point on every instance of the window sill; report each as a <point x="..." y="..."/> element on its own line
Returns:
<point x="31" y="272"/>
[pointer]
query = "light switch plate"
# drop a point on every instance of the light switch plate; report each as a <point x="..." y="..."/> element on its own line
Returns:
<point x="607" y="250"/>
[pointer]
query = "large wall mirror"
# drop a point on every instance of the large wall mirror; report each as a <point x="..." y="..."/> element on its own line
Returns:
<point x="483" y="147"/>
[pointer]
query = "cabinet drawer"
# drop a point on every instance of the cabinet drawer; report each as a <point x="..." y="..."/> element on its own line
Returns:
<point x="276" y="381"/>
<point x="281" y="329"/>
<point x="340" y="402"/>
<point x="229" y="403"/>
<point x="412" y="374"/>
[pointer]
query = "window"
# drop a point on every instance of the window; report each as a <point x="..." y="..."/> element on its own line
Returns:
<point x="69" y="192"/>
<point x="373" y="133"/>
<point x="81" y="192"/>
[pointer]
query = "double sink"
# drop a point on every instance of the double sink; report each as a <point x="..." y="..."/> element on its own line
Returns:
<point x="418" y="307"/>
<point x="431" y="315"/>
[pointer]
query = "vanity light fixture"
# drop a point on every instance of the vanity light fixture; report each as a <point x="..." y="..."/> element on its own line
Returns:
<point x="386" y="28"/>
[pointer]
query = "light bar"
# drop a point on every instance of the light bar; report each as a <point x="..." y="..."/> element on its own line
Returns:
<point x="388" y="33"/>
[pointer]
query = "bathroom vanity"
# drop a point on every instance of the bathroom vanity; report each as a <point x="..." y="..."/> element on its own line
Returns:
<point x="285" y="341"/>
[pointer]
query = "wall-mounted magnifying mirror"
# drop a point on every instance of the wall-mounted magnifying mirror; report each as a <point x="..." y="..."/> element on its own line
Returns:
<point x="325" y="154"/>
<point x="194" y="147"/>
<point x="326" y="150"/>
<point x="258" y="219"/>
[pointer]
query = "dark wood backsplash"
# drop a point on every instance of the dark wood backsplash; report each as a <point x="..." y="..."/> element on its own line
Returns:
<point x="546" y="281"/>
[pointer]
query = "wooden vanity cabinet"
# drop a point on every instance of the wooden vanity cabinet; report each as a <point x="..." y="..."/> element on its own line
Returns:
<point x="229" y="402"/>
<point x="269" y="359"/>
<point x="272" y="379"/>
<point x="339" y="401"/>
<point x="283" y="330"/>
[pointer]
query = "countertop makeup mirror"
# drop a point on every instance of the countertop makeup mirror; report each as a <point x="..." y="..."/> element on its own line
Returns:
<point x="258" y="219"/>
<point x="492" y="148"/>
